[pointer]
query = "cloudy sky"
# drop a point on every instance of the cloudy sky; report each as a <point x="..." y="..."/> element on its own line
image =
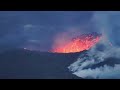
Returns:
<point x="37" y="29"/>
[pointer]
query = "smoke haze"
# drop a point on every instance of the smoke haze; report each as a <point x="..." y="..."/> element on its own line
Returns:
<point x="92" y="64"/>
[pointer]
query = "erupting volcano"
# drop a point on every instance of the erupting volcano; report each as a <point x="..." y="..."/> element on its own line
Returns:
<point x="79" y="43"/>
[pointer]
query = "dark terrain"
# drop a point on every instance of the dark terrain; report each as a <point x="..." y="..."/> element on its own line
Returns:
<point x="24" y="64"/>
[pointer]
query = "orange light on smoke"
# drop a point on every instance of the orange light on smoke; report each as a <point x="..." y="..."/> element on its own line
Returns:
<point x="78" y="44"/>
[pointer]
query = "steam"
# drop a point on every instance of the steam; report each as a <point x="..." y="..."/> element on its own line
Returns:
<point x="63" y="38"/>
<point x="88" y="65"/>
<point x="83" y="66"/>
<point x="109" y="24"/>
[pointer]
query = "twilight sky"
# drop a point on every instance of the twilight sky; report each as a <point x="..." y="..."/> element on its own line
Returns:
<point x="37" y="29"/>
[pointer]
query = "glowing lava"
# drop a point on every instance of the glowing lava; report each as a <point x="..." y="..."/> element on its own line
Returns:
<point x="80" y="43"/>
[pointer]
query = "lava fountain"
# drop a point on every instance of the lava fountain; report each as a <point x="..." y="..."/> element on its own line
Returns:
<point x="79" y="43"/>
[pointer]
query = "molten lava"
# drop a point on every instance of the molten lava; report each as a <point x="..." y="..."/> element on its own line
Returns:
<point x="80" y="43"/>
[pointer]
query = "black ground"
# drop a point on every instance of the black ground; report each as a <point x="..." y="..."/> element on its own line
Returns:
<point x="23" y="64"/>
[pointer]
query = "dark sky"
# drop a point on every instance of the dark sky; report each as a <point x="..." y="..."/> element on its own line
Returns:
<point x="36" y="29"/>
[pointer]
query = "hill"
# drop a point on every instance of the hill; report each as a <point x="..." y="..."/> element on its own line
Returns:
<point x="25" y="64"/>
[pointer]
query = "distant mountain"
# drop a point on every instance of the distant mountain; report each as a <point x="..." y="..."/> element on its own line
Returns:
<point x="25" y="64"/>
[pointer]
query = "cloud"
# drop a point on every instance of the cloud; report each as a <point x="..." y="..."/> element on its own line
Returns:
<point x="109" y="23"/>
<point x="34" y="41"/>
<point x="27" y="26"/>
<point x="33" y="27"/>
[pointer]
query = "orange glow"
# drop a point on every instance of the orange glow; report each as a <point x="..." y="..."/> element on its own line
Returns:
<point x="83" y="42"/>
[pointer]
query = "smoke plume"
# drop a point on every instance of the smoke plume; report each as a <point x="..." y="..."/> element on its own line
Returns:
<point x="103" y="60"/>
<point x="65" y="37"/>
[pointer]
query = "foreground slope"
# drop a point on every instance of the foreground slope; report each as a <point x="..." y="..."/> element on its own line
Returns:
<point x="26" y="64"/>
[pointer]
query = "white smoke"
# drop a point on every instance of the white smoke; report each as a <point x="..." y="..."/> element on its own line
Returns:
<point x="93" y="57"/>
<point x="104" y="72"/>
<point x="105" y="22"/>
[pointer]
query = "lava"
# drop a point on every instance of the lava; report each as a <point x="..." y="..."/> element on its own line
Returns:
<point x="78" y="44"/>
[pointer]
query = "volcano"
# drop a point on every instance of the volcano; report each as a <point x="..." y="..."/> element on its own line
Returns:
<point x="26" y="64"/>
<point x="79" y="43"/>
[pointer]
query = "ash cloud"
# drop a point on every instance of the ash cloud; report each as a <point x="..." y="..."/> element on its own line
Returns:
<point x="96" y="63"/>
<point x="109" y="24"/>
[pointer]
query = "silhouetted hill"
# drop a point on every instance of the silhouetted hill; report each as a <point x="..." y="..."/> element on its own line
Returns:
<point x="24" y="64"/>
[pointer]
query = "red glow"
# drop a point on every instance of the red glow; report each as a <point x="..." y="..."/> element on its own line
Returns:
<point x="83" y="42"/>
